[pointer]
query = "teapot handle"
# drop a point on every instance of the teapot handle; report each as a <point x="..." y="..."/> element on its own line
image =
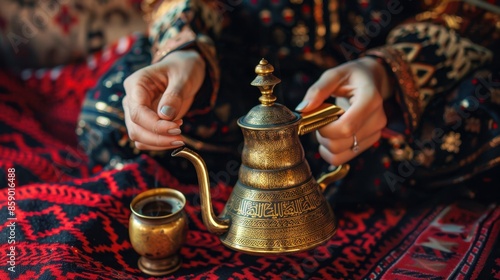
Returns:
<point x="318" y="118"/>
<point x="333" y="176"/>
<point x="323" y="115"/>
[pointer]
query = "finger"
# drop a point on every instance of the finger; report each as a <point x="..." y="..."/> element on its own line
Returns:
<point x="363" y="106"/>
<point x="323" y="88"/>
<point x="338" y="159"/>
<point x="142" y="88"/>
<point x="137" y="112"/>
<point x="343" y="103"/>
<point x="369" y="123"/>
<point x="339" y="146"/>
<point x="144" y="117"/>
<point x="163" y="127"/>
<point x="139" y="134"/>
<point x="175" y="101"/>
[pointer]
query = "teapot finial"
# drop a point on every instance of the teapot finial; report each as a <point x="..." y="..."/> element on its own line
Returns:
<point x="265" y="81"/>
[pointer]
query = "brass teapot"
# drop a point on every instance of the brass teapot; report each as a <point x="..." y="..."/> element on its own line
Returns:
<point x="276" y="206"/>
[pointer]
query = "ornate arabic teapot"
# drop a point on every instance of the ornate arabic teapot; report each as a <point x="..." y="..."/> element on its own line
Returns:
<point x="276" y="206"/>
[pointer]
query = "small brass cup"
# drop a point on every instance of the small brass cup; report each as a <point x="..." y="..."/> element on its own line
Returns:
<point x="158" y="229"/>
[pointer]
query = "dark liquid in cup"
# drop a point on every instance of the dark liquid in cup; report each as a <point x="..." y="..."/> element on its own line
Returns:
<point x="156" y="208"/>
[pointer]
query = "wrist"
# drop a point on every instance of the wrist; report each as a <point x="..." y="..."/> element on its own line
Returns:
<point x="160" y="52"/>
<point x="186" y="54"/>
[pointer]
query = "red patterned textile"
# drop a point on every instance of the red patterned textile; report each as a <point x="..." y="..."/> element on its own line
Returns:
<point x="72" y="223"/>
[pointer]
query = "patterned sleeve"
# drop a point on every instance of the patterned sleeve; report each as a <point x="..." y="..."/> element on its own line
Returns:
<point x="186" y="24"/>
<point x="432" y="53"/>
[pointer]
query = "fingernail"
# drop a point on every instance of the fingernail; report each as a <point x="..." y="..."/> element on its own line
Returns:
<point x="168" y="111"/>
<point x="177" y="143"/>
<point x="302" y="105"/>
<point x="174" y="131"/>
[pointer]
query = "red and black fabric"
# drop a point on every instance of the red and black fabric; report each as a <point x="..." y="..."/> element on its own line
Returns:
<point x="71" y="220"/>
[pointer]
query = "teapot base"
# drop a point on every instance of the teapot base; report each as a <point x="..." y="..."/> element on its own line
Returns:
<point x="278" y="221"/>
<point x="277" y="251"/>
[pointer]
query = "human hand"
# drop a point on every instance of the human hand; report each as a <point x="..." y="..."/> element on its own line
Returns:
<point x="158" y="96"/>
<point x="358" y="85"/>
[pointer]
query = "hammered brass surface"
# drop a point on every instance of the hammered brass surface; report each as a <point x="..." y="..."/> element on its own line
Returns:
<point x="276" y="206"/>
<point x="271" y="149"/>
<point x="268" y="116"/>
<point x="278" y="221"/>
<point x="255" y="194"/>
<point x="281" y="179"/>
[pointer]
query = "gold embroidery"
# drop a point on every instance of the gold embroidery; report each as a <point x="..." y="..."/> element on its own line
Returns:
<point x="300" y="37"/>
<point x="451" y="142"/>
<point x="320" y="25"/>
<point x="333" y="7"/>
<point x="462" y="55"/>
<point x="425" y="157"/>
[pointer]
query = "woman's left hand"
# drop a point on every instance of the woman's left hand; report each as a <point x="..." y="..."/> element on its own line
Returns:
<point x="360" y="85"/>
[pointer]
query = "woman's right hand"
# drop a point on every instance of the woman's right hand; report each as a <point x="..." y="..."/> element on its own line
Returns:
<point x="362" y="84"/>
<point x="158" y="96"/>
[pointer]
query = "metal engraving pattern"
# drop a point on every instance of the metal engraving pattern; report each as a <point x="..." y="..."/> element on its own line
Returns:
<point x="274" y="209"/>
<point x="272" y="149"/>
<point x="280" y="220"/>
<point x="273" y="195"/>
<point x="281" y="235"/>
<point x="268" y="116"/>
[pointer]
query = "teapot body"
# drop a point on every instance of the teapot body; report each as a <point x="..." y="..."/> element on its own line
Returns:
<point x="276" y="206"/>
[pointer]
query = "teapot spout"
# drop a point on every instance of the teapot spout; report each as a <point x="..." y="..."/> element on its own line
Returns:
<point x="212" y="222"/>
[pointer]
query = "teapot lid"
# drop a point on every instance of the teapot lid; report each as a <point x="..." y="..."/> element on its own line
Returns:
<point x="267" y="114"/>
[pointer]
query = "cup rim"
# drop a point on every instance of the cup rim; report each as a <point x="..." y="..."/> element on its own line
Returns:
<point x="154" y="192"/>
